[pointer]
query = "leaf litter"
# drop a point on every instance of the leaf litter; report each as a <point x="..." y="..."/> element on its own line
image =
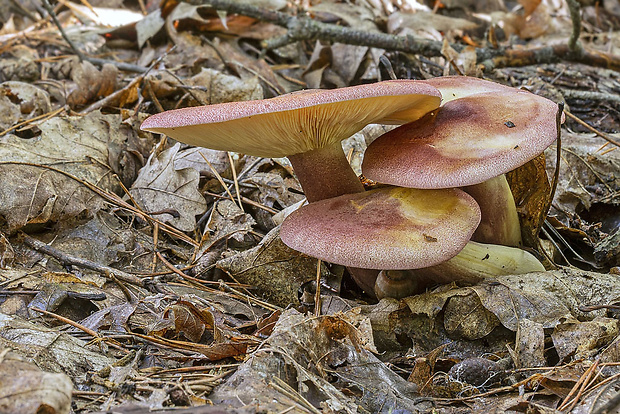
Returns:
<point x="184" y="293"/>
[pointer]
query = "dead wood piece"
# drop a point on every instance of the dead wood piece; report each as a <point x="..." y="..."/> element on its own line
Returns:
<point x="303" y="28"/>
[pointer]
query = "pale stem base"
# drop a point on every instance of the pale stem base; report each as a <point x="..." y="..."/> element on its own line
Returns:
<point x="500" y="221"/>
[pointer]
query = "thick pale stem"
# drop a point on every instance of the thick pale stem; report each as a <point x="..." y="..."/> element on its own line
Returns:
<point x="500" y="221"/>
<point x="325" y="173"/>
<point x="476" y="262"/>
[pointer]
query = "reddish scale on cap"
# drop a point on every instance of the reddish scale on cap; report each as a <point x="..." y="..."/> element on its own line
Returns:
<point x="387" y="228"/>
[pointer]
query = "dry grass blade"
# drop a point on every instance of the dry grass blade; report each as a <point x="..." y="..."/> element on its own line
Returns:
<point x="569" y="402"/>
<point x="41" y="117"/>
<point x="248" y="201"/>
<point x="113" y="343"/>
<point x="220" y="179"/>
<point x="592" y="129"/>
<point x="317" y="294"/>
<point x="234" y="174"/>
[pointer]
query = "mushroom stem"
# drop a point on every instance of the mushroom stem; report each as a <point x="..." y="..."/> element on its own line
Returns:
<point x="364" y="278"/>
<point x="396" y="284"/>
<point x="325" y="173"/>
<point x="477" y="261"/>
<point x="500" y="222"/>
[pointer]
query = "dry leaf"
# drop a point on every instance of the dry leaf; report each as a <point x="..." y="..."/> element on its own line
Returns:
<point x="149" y="26"/>
<point x="276" y="270"/>
<point x="49" y="349"/>
<point x="582" y="340"/>
<point x="322" y="367"/>
<point x="531" y="190"/>
<point x="90" y="83"/>
<point x="24" y="388"/>
<point x="21" y="64"/>
<point x="187" y="322"/>
<point x="80" y="146"/>
<point x="10" y="113"/>
<point x="32" y="101"/>
<point x="194" y="157"/>
<point x="348" y="60"/>
<point x="227" y="221"/>
<point x="530" y="345"/>
<point x="466" y="318"/>
<point x="168" y="194"/>
<point x="213" y="87"/>
<point x="31" y="195"/>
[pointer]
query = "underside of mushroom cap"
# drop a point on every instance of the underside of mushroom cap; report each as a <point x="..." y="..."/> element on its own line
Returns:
<point x="297" y="122"/>
<point x="456" y="87"/>
<point x="465" y="142"/>
<point x="387" y="228"/>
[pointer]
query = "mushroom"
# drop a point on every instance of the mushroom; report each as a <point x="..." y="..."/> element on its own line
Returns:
<point x="469" y="142"/>
<point x="416" y="237"/>
<point x="305" y="126"/>
<point x="385" y="228"/>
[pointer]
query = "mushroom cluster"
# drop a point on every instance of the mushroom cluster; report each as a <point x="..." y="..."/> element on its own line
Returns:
<point x="422" y="220"/>
<point x="481" y="131"/>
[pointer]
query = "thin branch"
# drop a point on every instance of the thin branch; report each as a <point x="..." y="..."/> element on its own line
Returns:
<point x="304" y="28"/>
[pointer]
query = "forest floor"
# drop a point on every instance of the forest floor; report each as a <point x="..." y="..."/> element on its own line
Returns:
<point x="139" y="274"/>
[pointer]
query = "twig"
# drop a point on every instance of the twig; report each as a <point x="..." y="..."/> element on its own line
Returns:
<point x="591" y="95"/>
<point x="542" y="55"/>
<point x="113" y="343"/>
<point x="236" y="182"/>
<point x="303" y="28"/>
<point x="556" y="174"/>
<point x="554" y="183"/>
<point x="78" y="261"/>
<point x="575" y="15"/>
<point x="42" y="117"/>
<point x="592" y="129"/>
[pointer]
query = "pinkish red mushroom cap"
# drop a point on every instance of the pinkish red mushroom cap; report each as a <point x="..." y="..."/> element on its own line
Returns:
<point x="467" y="141"/>
<point x="387" y="228"/>
<point x="297" y="122"/>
